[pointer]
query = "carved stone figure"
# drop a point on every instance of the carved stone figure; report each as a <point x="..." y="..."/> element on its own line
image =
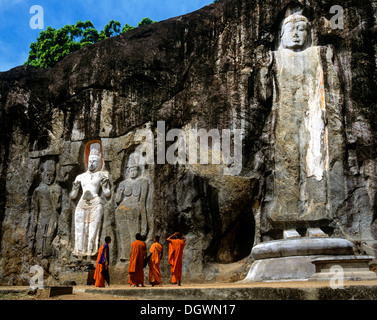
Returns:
<point x="307" y="135"/>
<point x="131" y="214"/>
<point x="45" y="208"/>
<point x="89" y="210"/>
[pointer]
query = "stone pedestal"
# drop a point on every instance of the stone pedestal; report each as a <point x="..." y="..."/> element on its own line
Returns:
<point x="302" y="247"/>
<point x="301" y="258"/>
<point x="281" y="269"/>
<point x="346" y="267"/>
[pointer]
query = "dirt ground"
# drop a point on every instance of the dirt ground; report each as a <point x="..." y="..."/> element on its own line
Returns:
<point x="21" y="293"/>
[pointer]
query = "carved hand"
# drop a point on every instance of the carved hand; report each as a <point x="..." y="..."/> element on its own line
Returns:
<point x="105" y="186"/>
<point x="75" y="190"/>
<point x="119" y="195"/>
<point x="104" y="182"/>
<point x="264" y="59"/>
<point x="264" y="79"/>
<point x="76" y="185"/>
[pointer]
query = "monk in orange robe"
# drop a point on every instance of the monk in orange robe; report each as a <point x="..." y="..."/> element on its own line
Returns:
<point x="136" y="265"/>
<point x="176" y="246"/>
<point x="102" y="263"/>
<point x="154" y="262"/>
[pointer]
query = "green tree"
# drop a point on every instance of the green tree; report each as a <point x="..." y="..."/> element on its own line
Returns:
<point x="111" y="29"/>
<point x="145" y="21"/>
<point x="127" y="27"/>
<point x="53" y="45"/>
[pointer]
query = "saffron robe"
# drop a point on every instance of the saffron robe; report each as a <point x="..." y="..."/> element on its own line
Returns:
<point x="103" y="253"/>
<point x="135" y="267"/>
<point x="154" y="263"/>
<point x="176" y="247"/>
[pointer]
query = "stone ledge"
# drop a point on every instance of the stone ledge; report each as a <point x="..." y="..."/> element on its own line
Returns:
<point x="354" y="292"/>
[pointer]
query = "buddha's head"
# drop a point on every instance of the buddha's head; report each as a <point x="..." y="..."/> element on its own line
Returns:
<point x="133" y="168"/>
<point x="294" y="32"/>
<point x="93" y="160"/>
<point x="49" y="172"/>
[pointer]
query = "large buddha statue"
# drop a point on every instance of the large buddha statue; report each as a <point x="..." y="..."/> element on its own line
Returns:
<point x="307" y="135"/>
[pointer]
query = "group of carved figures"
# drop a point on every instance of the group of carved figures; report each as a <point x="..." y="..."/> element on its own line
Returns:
<point x="306" y="138"/>
<point x="130" y="215"/>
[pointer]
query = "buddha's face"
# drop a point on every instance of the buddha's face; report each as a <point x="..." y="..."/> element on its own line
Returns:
<point x="49" y="176"/>
<point x="93" y="163"/>
<point x="294" y="35"/>
<point x="133" y="172"/>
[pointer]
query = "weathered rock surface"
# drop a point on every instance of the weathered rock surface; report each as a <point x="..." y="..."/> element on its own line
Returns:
<point x="197" y="70"/>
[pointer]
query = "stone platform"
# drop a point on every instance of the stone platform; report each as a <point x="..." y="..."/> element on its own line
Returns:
<point x="344" y="267"/>
<point x="302" y="258"/>
<point x="289" y="290"/>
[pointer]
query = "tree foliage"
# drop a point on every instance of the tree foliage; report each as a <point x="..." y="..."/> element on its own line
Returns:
<point x="127" y="27"/>
<point x="53" y="45"/>
<point x="145" y="21"/>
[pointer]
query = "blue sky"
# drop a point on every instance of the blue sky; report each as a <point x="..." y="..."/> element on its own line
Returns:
<point x="16" y="33"/>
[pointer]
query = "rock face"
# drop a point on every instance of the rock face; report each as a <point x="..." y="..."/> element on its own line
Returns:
<point x="195" y="71"/>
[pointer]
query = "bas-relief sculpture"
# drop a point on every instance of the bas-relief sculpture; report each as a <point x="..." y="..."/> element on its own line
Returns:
<point x="131" y="213"/>
<point x="45" y="208"/>
<point x="74" y="108"/>
<point x="89" y="209"/>
<point x="307" y="140"/>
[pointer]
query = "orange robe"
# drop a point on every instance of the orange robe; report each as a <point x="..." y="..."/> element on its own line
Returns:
<point x="99" y="280"/>
<point x="154" y="263"/>
<point x="135" y="267"/>
<point x="176" y="247"/>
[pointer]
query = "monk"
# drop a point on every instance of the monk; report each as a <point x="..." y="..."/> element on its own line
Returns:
<point x="176" y="246"/>
<point x="102" y="263"/>
<point x="135" y="267"/>
<point x="154" y="262"/>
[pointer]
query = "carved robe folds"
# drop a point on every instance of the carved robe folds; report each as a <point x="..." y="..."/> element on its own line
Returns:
<point x="307" y="137"/>
<point x="89" y="212"/>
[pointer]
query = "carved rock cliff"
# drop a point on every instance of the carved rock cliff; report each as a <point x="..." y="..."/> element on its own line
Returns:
<point x="194" y="71"/>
